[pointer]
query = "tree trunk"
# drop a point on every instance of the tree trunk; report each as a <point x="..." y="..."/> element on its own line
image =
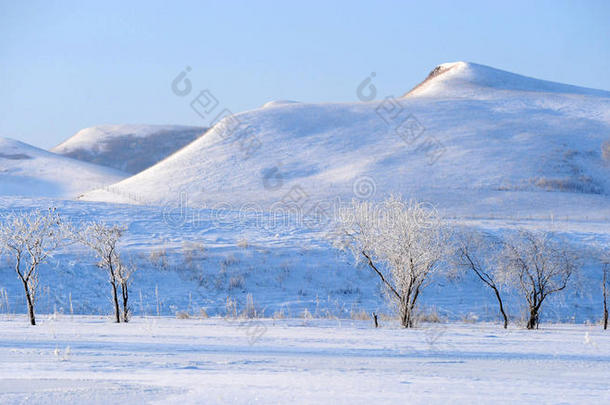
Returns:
<point x="406" y="318"/>
<point x="501" y="307"/>
<point x="125" y="296"/>
<point x="30" y="302"/>
<point x="117" y="311"/>
<point x="533" y="321"/>
<point x="605" y="291"/>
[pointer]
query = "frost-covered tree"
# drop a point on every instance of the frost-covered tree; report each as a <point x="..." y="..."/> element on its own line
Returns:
<point x="29" y="239"/>
<point x="403" y="242"/>
<point x="103" y="240"/>
<point x="479" y="253"/>
<point x="539" y="266"/>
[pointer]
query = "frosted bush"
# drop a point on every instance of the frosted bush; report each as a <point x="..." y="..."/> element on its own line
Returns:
<point x="606" y="151"/>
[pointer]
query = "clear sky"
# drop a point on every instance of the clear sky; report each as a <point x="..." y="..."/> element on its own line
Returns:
<point x="69" y="65"/>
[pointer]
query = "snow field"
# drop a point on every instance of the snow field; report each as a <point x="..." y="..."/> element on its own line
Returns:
<point x="214" y="361"/>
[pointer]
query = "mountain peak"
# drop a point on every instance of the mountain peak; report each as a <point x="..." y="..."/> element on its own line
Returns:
<point x="467" y="79"/>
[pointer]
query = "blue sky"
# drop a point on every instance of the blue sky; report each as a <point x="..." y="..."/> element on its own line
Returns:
<point x="69" y="65"/>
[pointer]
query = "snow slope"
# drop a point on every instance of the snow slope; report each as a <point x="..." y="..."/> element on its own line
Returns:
<point x="130" y="148"/>
<point x="28" y="171"/>
<point x="472" y="140"/>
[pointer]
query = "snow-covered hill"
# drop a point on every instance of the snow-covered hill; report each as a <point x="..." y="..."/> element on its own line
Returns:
<point x="470" y="138"/>
<point x="471" y="80"/>
<point x="28" y="171"/>
<point x="130" y="148"/>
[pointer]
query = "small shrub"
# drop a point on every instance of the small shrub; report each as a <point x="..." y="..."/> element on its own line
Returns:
<point x="231" y="308"/>
<point x="221" y="277"/>
<point x="250" y="311"/>
<point x="158" y="258"/>
<point x="388" y="317"/>
<point x="237" y="283"/>
<point x="182" y="315"/>
<point x="203" y="314"/>
<point x="230" y="260"/>
<point x="243" y="243"/>
<point x="430" y="316"/>
<point x="360" y="315"/>
<point x="283" y="273"/>
<point x="470" y="318"/>
<point x="606" y="151"/>
<point x="192" y="252"/>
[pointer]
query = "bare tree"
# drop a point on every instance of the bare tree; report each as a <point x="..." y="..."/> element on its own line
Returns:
<point x="30" y="238"/>
<point x="478" y="253"/>
<point x="403" y="242"/>
<point x="124" y="273"/>
<point x="539" y="266"/>
<point x="103" y="239"/>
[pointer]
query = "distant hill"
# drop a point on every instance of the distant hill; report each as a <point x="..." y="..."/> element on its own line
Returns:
<point x="470" y="138"/>
<point x="28" y="171"/>
<point x="130" y="148"/>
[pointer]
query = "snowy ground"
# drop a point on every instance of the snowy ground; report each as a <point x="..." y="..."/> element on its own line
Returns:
<point x="86" y="359"/>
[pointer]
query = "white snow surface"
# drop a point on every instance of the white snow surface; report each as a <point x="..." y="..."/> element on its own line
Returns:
<point x="279" y="102"/>
<point x="493" y="143"/>
<point x="151" y="360"/>
<point x="28" y="171"/>
<point x="131" y="148"/>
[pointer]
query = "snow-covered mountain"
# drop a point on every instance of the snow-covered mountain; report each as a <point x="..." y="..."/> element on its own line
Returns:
<point x="130" y="148"/>
<point x="470" y="138"/>
<point x="28" y="171"/>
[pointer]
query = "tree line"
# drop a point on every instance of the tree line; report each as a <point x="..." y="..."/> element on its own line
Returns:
<point x="404" y="242"/>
